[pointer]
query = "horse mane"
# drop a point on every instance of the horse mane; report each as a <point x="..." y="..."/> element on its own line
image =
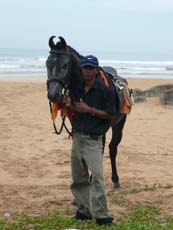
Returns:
<point x="76" y="79"/>
<point x="75" y="53"/>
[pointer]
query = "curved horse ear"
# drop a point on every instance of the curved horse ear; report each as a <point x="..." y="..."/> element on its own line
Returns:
<point x="51" y="42"/>
<point x="63" y="42"/>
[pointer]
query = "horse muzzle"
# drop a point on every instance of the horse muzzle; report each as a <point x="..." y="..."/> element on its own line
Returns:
<point x="54" y="97"/>
<point x="54" y="92"/>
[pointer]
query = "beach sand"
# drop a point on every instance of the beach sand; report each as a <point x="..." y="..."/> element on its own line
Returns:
<point x="35" y="163"/>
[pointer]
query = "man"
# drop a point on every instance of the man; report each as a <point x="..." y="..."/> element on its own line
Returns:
<point x="92" y="117"/>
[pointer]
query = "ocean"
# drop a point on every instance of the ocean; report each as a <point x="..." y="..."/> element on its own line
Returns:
<point x="30" y="62"/>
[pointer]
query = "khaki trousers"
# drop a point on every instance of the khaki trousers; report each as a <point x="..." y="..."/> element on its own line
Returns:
<point x="87" y="157"/>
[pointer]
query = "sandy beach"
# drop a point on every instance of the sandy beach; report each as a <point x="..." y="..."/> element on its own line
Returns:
<point x="35" y="163"/>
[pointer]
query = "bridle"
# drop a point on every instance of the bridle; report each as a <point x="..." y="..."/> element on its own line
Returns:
<point x="65" y="89"/>
<point x="54" y="79"/>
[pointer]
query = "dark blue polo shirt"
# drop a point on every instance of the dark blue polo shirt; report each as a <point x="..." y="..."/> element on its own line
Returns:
<point x="99" y="97"/>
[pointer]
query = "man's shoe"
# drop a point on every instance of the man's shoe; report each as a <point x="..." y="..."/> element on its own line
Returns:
<point x="82" y="216"/>
<point x="104" y="221"/>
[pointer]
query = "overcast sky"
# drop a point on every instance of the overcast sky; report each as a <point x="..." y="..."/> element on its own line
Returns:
<point x="111" y="25"/>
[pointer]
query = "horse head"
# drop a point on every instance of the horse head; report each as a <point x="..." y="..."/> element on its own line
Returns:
<point x="58" y="69"/>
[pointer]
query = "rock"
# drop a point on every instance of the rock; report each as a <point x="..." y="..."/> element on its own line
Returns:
<point x="138" y="92"/>
<point x="138" y="95"/>
<point x="164" y="92"/>
<point x="167" y="97"/>
<point x="158" y="90"/>
<point x="139" y="99"/>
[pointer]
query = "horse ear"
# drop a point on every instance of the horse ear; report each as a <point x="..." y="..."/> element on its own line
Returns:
<point x="63" y="42"/>
<point x="51" y="42"/>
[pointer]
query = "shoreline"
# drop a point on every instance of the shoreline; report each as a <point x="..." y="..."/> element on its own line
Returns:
<point x="142" y="83"/>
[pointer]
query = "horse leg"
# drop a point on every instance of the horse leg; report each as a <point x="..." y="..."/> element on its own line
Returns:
<point x="113" y="146"/>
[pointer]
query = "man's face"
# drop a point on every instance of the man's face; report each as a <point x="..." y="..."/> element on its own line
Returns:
<point x="89" y="73"/>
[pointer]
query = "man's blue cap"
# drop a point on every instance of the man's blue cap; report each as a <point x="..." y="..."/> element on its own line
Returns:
<point x="89" y="60"/>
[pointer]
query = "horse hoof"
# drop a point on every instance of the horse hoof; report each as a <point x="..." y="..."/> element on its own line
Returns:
<point x="117" y="186"/>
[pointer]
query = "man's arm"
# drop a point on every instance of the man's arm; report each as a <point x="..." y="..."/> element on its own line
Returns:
<point x="84" y="108"/>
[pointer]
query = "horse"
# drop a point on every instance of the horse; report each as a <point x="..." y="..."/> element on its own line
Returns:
<point x="63" y="72"/>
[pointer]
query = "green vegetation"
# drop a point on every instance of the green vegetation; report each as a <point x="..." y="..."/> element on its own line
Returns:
<point x="136" y="216"/>
<point x="140" y="217"/>
<point x="148" y="218"/>
<point x="150" y="188"/>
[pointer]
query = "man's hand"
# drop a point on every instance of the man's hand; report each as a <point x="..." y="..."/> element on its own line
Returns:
<point x="82" y="107"/>
<point x="66" y="100"/>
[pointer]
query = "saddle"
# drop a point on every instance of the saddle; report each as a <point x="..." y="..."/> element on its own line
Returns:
<point x="123" y="94"/>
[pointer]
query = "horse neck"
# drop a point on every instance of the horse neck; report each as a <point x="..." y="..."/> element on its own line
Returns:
<point x="75" y="76"/>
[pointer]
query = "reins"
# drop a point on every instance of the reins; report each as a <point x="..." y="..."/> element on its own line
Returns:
<point x="63" y="116"/>
<point x="54" y="125"/>
<point x="63" y="124"/>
